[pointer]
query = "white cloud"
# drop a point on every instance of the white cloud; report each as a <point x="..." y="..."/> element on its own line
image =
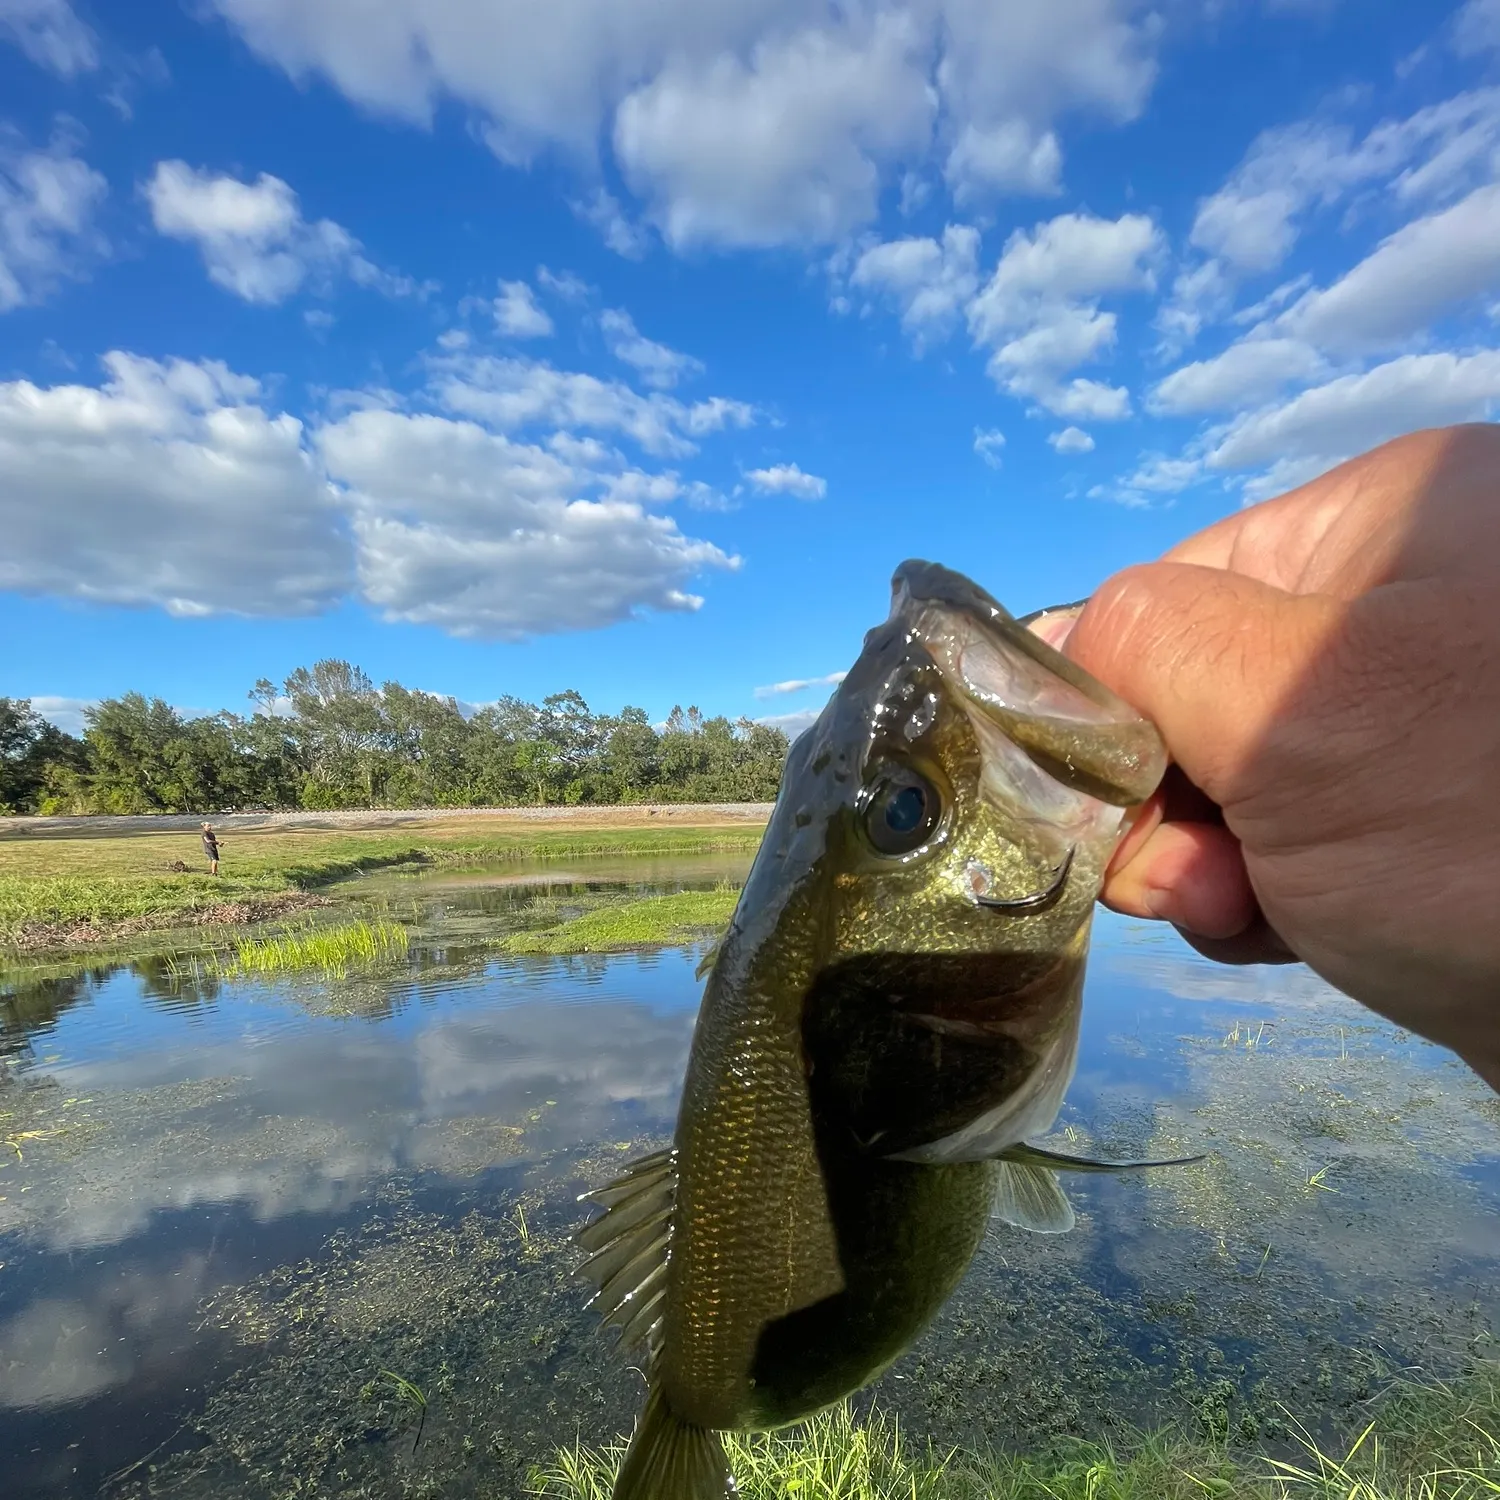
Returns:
<point x="1008" y="71"/>
<point x="1200" y="294"/>
<point x="66" y="713"/>
<point x="799" y="685"/>
<point x="792" y="724"/>
<point x="1039" y="312"/>
<point x="253" y="238"/>
<point x="1157" y="475"/>
<point x="1428" y="267"/>
<point x="176" y="485"/>
<point x="463" y="529"/>
<point x="1329" y="423"/>
<point x="1249" y="228"/>
<point x="988" y="444"/>
<point x="786" y="147"/>
<point x="171" y="486"/>
<point x="564" y="284"/>
<point x="1160" y="475"/>
<point x="1071" y="256"/>
<point x="47" y="203"/>
<point x="640" y="488"/>
<point x="788" y="479"/>
<point x="746" y="122"/>
<point x="50" y="34"/>
<point x="607" y="214"/>
<point x="1476" y="28"/>
<point x="1246" y="373"/>
<point x="511" y="394"/>
<point x="931" y="281"/>
<point x="1250" y="225"/>
<point x="1006" y="158"/>
<point x="659" y="366"/>
<point x="517" y="315"/>
<point x="1082" y="400"/>
<point x="1071" y="440"/>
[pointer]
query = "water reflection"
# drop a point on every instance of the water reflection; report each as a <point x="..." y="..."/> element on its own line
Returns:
<point x="222" y="1205"/>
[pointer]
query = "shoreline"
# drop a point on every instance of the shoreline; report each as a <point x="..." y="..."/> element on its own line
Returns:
<point x="77" y="885"/>
<point x="625" y="815"/>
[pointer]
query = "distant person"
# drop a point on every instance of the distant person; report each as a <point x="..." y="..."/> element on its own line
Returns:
<point x="211" y="849"/>
<point x="1325" y="670"/>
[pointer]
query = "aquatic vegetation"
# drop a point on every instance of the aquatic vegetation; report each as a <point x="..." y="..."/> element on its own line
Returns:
<point x="654" y="922"/>
<point x="1439" y="1442"/>
<point x="333" y="950"/>
<point x="412" y="1396"/>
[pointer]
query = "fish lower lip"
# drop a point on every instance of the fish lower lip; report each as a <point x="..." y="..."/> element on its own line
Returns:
<point x="1038" y="902"/>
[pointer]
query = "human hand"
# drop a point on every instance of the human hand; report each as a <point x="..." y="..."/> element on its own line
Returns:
<point x="1325" y="670"/>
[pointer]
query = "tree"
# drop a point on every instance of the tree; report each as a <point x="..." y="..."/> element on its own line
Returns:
<point x="632" y="755"/>
<point x="132" y="767"/>
<point x="31" y="750"/>
<point x="340" y="732"/>
<point x="329" y="739"/>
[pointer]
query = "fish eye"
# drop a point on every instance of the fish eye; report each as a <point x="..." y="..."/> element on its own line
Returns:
<point x="901" y="811"/>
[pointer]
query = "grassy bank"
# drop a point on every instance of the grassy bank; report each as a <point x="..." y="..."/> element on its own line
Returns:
<point x="649" y="923"/>
<point x="62" y="893"/>
<point x="1425" y="1443"/>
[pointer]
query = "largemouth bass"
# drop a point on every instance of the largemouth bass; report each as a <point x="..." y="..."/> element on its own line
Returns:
<point x="892" y="1012"/>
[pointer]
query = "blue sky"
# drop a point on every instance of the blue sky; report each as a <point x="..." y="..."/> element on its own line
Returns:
<point x="627" y="345"/>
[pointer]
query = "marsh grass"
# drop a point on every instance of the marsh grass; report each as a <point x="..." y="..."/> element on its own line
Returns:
<point x="332" y="950"/>
<point x="1435" y="1442"/>
<point x="655" y="921"/>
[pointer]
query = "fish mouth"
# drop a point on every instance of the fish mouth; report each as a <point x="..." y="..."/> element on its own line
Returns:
<point x="1028" y="702"/>
<point x="979" y="878"/>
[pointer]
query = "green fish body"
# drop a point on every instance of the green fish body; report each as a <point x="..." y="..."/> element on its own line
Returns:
<point x="892" y="1012"/>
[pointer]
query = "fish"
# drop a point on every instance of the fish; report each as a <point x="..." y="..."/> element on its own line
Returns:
<point x="891" y="1015"/>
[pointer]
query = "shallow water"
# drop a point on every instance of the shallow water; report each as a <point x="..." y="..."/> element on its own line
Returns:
<point x="227" y="1208"/>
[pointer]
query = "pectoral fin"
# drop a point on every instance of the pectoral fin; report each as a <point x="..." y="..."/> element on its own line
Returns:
<point x="630" y="1244"/>
<point x="1030" y="1198"/>
<point x="1059" y="1161"/>
<point x="668" y="1460"/>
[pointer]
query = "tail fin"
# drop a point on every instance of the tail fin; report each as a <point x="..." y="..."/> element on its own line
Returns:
<point x="668" y="1460"/>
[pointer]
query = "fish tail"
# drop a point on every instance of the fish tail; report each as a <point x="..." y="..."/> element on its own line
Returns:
<point x="670" y="1460"/>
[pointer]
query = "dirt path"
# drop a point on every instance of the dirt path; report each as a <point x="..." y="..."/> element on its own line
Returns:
<point x="452" y="819"/>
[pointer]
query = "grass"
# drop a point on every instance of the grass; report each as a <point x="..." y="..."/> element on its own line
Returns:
<point x="61" y="892"/>
<point x="1437" y="1442"/>
<point x="653" y="922"/>
<point x="329" y="949"/>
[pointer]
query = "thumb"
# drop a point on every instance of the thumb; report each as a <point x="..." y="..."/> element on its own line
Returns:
<point x="1211" y="657"/>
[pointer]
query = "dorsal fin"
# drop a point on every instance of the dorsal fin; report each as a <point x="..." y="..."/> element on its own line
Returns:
<point x="631" y="1244"/>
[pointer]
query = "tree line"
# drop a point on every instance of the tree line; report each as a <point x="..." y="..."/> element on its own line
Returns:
<point x="330" y="739"/>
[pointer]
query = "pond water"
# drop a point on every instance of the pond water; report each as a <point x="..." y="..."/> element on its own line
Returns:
<point x="228" y="1209"/>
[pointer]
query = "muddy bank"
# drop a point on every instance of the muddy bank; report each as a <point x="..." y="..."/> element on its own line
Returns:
<point x="37" y="938"/>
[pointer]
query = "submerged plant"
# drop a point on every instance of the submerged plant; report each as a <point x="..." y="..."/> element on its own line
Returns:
<point x="409" y="1395"/>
